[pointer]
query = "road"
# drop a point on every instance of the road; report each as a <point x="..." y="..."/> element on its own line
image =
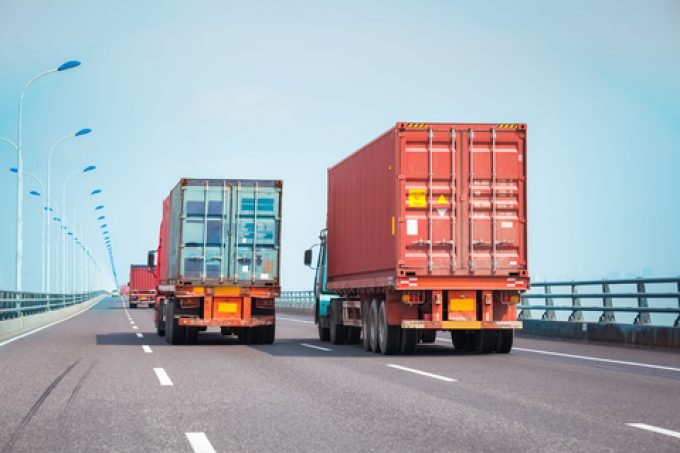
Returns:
<point x="103" y="381"/>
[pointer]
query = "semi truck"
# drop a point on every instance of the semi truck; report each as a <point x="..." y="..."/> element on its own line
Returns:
<point x="142" y="285"/>
<point x="426" y="231"/>
<point x="218" y="259"/>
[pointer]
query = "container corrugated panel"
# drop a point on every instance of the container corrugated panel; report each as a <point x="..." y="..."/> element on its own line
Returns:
<point x="225" y="231"/>
<point x="429" y="200"/>
<point x="142" y="278"/>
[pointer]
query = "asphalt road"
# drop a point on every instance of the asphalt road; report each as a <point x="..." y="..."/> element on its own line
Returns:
<point x="92" y="384"/>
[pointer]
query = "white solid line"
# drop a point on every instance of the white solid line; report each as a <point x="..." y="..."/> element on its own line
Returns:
<point x="163" y="376"/>
<point x="200" y="443"/>
<point x="598" y="359"/>
<point x="132" y="322"/>
<point x="25" y="334"/>
<point x="147" y="349"/>
<point x="313" y="346"/>
<point x="139" y="335"/>
<point x="423" y="373"/>
<point x="294" y="320"/>
<point x="654" y="429"/>
<point x="135" y="327"/>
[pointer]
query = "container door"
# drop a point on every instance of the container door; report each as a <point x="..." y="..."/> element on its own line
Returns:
<point x="462" y="201"/>
<point x="256" y="217"/>
<point x="493" y="180"/>
<point x="204" y="244"/>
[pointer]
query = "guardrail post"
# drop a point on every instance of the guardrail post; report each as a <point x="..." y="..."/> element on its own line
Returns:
<point x="549" y="314"/>
<point x="524" y="313"/>
<point x="607" y="316"/>
<point x="17" y="305"/>
<point x="642" y="317"/>
<point x="677" y="320"/>
<point x="576" y="315"/>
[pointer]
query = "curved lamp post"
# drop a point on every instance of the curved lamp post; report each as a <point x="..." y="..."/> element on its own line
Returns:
<point x="20" y="172"/>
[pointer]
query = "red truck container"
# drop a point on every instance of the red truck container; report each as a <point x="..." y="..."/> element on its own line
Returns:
<point x="142" y="285"/>
<point x="426" y="231"/>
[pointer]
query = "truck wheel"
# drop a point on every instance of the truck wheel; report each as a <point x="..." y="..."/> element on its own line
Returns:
<point x="352" y="335"/>
<point x="462" y="341"/>
<point x="373" y="331"/>
<point x="366" y="325"/>
<point x="133" y="305"/>
<point x="485" y="341"/>
<point x="337" y="330"/>
<point x="269" y="334"/>
<point x="190" y="335"/>
<point x="253" y="335"/>
<point x="428" y="336"/>
<point x="388" y="336"/>
<point x="174" y="332"/>
<point x="409" y="340"/>
<point x="324" y="332"/>
<point x="160" y="325"/>
<point x="504" y="344"/>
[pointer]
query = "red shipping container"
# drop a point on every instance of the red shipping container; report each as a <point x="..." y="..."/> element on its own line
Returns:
<point x="142" y="285"/>
<point x="431" y="206"/>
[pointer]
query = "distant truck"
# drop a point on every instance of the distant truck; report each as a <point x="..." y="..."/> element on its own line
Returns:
<point x="218" y="260"/>
<point x="142" y="285"/>
<point x="426" y="231"/>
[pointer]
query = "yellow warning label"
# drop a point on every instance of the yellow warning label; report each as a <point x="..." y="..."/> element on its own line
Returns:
<point x="417" y="198"/>
<point x="227" y="308"/>
<point x="442" y="200"/>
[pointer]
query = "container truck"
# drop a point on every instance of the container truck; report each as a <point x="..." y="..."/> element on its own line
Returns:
<point x="426" y="231"/>
<point x="142" y="285"/>
<point x="218" y="259"/>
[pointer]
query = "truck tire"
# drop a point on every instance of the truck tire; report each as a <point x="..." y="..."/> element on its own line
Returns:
<point x="160" y="324"/>
<point x="408" y="342"/>
<point x="337" y="329"/>
<point x="366" y="325"/>
<point x="388" y="336"/>
<point x="269" y="333"/>
<point x="352" y="335"/>
<point x="428" y="336"/>
<point x="485" y="341"/>
<point x="133" y="305"/>
<point x="373" y="322"/>
<point x="324" y="332"/>
<point x="504" y="342"/>
<point x="174" y="332"/>
<point x="462" y="341"/>
<point x="190" y="335"/>
<point x="253" y="335"/>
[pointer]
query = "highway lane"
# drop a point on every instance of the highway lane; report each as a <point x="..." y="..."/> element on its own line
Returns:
<point x="89" y="384"/>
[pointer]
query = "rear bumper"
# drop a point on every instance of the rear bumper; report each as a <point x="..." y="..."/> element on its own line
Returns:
<point x="255" y="321"/>
<point x="461" y="325"/>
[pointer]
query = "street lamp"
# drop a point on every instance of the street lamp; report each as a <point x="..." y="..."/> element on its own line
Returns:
<point x="82" y="230"/>
<point x="79" y="133"/>
<point x="20" y="172"/>
<point x="42" y="224"/>
<point x="87" y="169"/>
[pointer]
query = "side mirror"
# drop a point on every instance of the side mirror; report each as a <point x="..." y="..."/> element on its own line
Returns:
<point x="151" y="258"/>
<point x="308" y="257"/>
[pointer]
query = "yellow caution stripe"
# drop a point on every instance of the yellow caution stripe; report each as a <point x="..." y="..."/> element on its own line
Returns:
<point x="506" y="126"/>
<point x="417" y="125"/>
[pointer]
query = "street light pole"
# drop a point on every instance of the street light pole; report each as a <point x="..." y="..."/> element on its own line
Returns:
<point x="20" y="174"/>
<point x="81" y="132"/>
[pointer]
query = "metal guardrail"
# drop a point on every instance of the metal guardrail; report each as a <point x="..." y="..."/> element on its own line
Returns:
<point x="623" y="290"/>
<point x="295" y="299"/>
<point x="15" y="304"/>
<point x="641" y="294"/>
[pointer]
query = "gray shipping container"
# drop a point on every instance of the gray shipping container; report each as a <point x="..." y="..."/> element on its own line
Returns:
<point x="222" y="231"/>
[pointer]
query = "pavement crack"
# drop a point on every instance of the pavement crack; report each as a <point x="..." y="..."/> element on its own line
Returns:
<point x="31" y="413"/>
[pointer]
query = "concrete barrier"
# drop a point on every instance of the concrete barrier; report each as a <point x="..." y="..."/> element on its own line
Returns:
<point x="13" y="327"/>
<point x="620" y="334"/>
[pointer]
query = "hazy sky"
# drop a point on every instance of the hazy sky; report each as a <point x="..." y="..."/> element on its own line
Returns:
<point x="285" y="89"/>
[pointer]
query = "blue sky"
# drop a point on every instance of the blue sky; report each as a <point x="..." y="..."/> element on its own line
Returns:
<point x="286" y="89"/>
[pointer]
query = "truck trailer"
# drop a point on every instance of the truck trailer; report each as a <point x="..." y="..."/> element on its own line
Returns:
<point x="142" y="285"/>
<point x="218" y="259"/>
<point x="426" y="231"/>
